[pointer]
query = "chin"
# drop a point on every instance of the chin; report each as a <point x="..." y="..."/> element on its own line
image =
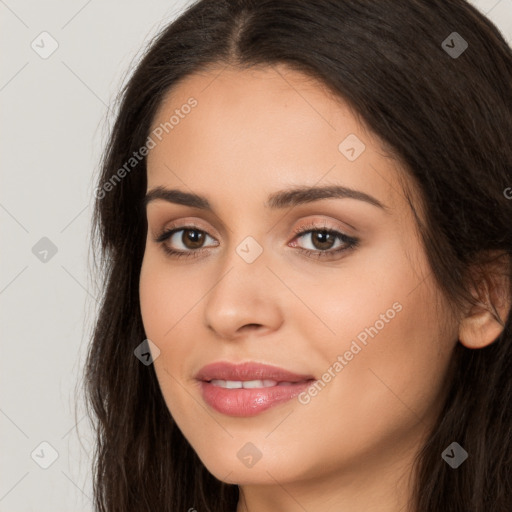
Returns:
<point x="239" y="469"/>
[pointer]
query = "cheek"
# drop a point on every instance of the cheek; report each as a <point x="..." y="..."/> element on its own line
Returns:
<point x="153" y="296"/>
<point x="163" y="297"/>
<point x="170" y="306"/>
<point x="382" y="320"/>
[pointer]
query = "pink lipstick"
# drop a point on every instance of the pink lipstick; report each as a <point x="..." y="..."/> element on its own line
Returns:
<point x="249" y="388"/>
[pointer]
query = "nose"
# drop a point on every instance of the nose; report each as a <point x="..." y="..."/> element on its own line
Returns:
<point x="246" y="297"/>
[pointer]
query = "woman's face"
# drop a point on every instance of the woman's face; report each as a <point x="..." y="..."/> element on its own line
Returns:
<point x="366" y="321"/>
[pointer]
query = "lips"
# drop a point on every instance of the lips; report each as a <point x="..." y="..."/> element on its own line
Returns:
<point x="248" y="389"/>
<point x="224" y="371"/>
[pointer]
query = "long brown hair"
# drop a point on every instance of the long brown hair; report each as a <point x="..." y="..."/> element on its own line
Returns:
<point x="447" y="118"/>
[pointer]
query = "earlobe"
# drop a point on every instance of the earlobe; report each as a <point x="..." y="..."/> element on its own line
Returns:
<point x="485" y="321"/>
<point x="479" y="329"/>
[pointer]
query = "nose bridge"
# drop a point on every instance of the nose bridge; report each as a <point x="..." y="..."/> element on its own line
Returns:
<point x="242" y="271"/>
<point x="246" y="243"/>
<point x="242" y="294"/>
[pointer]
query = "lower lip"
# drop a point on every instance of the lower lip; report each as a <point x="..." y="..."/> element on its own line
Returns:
<point x="249" y="402"/>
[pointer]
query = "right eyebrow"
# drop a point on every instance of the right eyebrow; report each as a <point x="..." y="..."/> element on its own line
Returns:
<point x="277" y="200"/>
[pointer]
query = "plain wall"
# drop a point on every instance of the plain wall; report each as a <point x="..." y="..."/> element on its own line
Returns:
<point x="52" y="132"/>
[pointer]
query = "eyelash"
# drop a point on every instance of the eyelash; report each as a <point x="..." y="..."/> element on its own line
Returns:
<point x="350" y="242"/>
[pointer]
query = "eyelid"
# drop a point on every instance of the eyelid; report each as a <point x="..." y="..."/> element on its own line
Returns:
<point x="340" y="234"/>
<point x="170" y="231"/>
<point x="300" y="232"/>
<point x="320" y="224"/>
<point x="181" y="224"/>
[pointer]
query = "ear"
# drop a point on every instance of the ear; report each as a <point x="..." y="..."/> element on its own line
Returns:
<point x="484" y="321"/>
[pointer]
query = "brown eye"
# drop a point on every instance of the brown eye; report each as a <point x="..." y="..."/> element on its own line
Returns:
<point x="185" y="240"/>
<point x="192" y="238"/>
<point x="322" y="240"/>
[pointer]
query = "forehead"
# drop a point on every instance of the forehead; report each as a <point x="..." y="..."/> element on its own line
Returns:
<point x="230" y="98"/>
<point x="262" y="128"/>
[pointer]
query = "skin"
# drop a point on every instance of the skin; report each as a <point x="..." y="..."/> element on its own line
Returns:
<point x="351" y="448"/>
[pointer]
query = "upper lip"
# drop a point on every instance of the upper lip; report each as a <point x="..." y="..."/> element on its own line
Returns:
<point x="248" y="371"/>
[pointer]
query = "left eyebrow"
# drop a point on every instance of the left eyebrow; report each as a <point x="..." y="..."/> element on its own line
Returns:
<point x="277" y="200"/>
<point x="178" y="197"/>
<point x="301" y="195"/>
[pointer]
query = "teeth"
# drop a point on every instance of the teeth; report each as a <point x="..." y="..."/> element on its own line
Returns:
<point x="246" y="384"/>
<point x="266" y="383"/>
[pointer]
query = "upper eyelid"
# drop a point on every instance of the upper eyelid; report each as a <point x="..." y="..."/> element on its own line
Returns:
<point x="314" y="224"/>
<point x="298" y="232"/>
<point x="172" y="230"/>
<point x="177" y="226"/>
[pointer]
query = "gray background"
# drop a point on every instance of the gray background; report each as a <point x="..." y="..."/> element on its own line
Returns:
<point x="55" y="118"/>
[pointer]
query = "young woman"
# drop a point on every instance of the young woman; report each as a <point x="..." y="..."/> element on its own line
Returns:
<point x="304" y="224"/>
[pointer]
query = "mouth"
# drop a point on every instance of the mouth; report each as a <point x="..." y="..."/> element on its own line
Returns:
<point x="251" y="384"/>
<point x="249" y="388"/>
<point x="249" y="372"/>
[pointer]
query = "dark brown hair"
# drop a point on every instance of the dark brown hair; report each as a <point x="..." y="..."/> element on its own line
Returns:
<point x="447" y="119"/>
